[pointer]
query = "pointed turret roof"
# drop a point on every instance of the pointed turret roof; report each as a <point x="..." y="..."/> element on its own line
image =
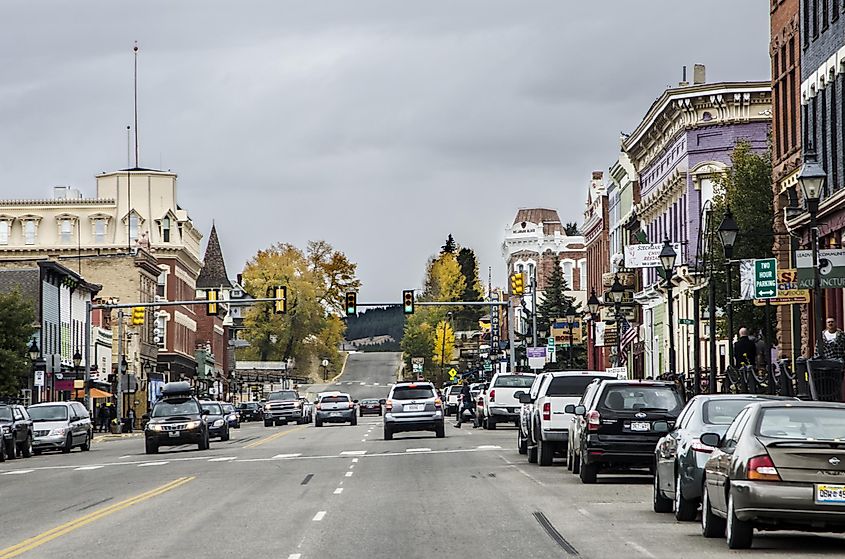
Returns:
<point x="213" y="273"/>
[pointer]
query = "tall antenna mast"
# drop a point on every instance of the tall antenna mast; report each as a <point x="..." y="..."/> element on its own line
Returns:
<point x="128" y="146"/>
<point x="135" y="50"/>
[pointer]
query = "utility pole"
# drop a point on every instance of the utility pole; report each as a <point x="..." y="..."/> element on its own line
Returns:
<point x="534" y="305"/>
<point x="511" y="335"/>
<point x="120" y="357"/>
<point x="88" y="357"/>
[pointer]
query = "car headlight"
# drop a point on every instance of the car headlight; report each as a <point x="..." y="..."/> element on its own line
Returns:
<point x="6" y="429"/>
<point x="155" y="427"/>
<point x="192" y="425"/>
<point x="60" y="432"/>
<point x="217" y="423"/>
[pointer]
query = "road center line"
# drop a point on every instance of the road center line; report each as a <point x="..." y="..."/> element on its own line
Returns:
<point x="317" y="518"/>
<point x="273" y="437"/>
<point x="338" y="491"/>
<point x="49" y="535"/>
<point x="349" y="474"/>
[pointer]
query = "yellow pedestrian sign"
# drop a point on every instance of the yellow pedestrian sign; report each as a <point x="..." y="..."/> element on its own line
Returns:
<point x="452" y="374"/>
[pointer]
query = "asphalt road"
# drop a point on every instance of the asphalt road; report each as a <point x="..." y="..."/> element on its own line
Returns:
<point x="299" y="492"/>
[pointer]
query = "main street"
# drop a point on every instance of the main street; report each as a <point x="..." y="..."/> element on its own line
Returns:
<point x="341" y="491"/>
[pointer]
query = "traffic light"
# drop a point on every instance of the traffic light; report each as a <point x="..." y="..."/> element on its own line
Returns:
<point x="518" y="284"/>
<point x="351" y="303"/>
<point x="280" y="292"/>
<point x="212" y="309"/>
<point x="138" y="314"/>
<point x="408" y="301"/>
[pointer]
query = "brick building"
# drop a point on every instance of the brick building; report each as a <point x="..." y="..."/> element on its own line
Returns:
<point x="596" y="229"/>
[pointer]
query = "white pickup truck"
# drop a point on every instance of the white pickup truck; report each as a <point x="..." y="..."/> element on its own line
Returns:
<point x="500" y="403"/>
<point x="547" y="429"/>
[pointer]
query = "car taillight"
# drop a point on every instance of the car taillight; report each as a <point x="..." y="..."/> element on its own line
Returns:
<point x="699" y="446"/>
<point x="388" y="405"/>
<point x="593" y="420"/>
<point x="547" y="411"/>
<point x="492" y="395"/>
<point x="761" y="468"/>
<point x="438" y="403"/>
<point x="351" y="405"/>
<point x="318" y="406"/>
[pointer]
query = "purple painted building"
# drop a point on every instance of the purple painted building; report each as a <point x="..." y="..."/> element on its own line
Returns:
<point x="681" y="147"/>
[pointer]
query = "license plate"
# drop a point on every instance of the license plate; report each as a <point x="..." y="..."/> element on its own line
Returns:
<point x="174" y="433"/>
<point x="414" y="407"/>
<point x="640" y="426"/>
<point x="334" y="414"/>
<point x="831" y="494"/>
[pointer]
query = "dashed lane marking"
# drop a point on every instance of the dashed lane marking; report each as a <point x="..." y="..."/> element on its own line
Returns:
<point x="338" y="491"/>
<point x="295" y="556"/>
<point x="319" y="516"/>
<point x="353" y="453"/>
<point x="640" y="548"/>
<point x="87" y="468"/>
<point x="281" y="456"/>
<point x="351" y="466"/>
<point x="145" y="464"/>
<point x="354" y="460"/>
<point x="223" y="459"/>
<point x="417" y="450"/>
<point x="17" y="472"/>
<point x="349" y="474"/>
<point x="488" y="447"/>
<point x="125" y="456"/>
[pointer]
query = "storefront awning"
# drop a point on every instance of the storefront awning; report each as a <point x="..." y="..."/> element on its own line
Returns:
<point x="95" y="393"/>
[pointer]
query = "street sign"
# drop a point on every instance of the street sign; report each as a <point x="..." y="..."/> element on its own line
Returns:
<point x="831" y="268"/>
<point x="417" y="364"/>
<point x="536" y="357"/>
<point x="452" y="374"/>
<point x="39" y="378"/>
<point x="647" y="255"/>
<point x="494" y="326"/>
<point x="765" y="278"/>
<point x="687" y="321"/>
<point x="620" y="372"/>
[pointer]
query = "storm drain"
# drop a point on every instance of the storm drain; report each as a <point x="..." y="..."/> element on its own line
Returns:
<point x="554" y="534"/>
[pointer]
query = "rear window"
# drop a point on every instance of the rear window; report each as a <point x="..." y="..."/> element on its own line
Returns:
<point x="569" y="386"/>
<point x="514" y="381"/>
<point x="641" y="398"/>
<point x="213" y="409"/>
<point x="5" y="413"/>
<point x="803" y="423"/>
<point x="333" y="399"/>
<point x="412" y="393"/>
<point x="723" y="412"/>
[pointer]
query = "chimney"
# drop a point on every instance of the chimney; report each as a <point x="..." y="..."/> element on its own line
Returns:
<point x="684" y="82"/>
<point x="699" y="74"/>
<point x="597" y="175"/>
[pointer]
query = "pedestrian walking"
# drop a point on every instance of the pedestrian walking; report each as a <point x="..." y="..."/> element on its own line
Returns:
<point x="745" y="350"/>
<point x="832" y="344"/>
<point x="130" y="420"/>
<point x="466" y="404"/>
<point x="103" y="417"/>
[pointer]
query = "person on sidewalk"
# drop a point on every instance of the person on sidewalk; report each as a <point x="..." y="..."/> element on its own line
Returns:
<point x="832" y="343"/>
<point x="103" y="418"/>
<point x="130" y="420"/>
<point x="466" y="404"/>
<point x="745" y="350"/>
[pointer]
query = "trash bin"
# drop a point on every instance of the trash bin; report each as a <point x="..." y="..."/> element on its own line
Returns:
<point x="114" y="427"/>
<point x="802" y="381"/>
<point x="825" y="379"/>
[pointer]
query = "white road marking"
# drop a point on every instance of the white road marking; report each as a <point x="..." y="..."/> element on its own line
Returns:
<point x="640" y="548"/>
<point x="162" y="463"/>
<point x="281" y="456"/>
<point x="585" y="513"/>
<point x="354" y="460"/>
<point x="86" y="468"/>
<point x="126" y="456"/>
<point x="338" y="491"/>
<point x="294" y="556"/>
<point x="223" y="459"/>
<point x="16" y="472"/>
<point x="488" y="447"/>
<point x="351" y="466"/>
<point x="319" y="516"/>
<point x="366" y="434"/>
<point x="349" y="474"/>
<point x="417" y="450"/>
<point x="363" y="383"/>
<point x="375" y="384"/>
<point x="353" y="453"/>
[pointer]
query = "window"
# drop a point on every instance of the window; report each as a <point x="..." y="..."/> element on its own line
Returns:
<point x="412" y="392"/>
<point x="133" y="227"/>
<point x="4" y="232"/>
<point x="29" y="231"/>
<point x="583" y="270"/>
<point x="514" y="381"/>
<point x="569" y="385"/>
<point x="66" y="230"/>
<point x="100" y="231"/>
<point x="161" y="324"/>
<point x="165" y="229"/>
<point x="161" y="284"/>
<point x="825" y="13"/>
<point x="567" y="273"/>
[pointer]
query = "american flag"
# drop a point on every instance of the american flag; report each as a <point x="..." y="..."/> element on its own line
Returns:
<point x="628" y="335"/>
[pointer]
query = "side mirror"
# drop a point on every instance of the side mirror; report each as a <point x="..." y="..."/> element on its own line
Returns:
<point x="710" y="439"/>
<point x="580" y="410"/>
<point x="382" y="401"/>
<point x="660" y="427"/>
<point x="205" y="412"/>
<point x="145" y="416"/>
<point x="569" y="408"/>
<point x="523" y="398"/>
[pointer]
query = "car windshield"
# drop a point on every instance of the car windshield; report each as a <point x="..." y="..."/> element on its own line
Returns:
<point x="333" y="399"/>
<point x="212" y="409"/>
<point x="369" y="401"/>
<point x="723" y="412"/>
<point x="228" y="408"/>
<point x="412" y="392"/>
<point x="5" y="413"/>
<point x="807" y="423"/>
<point x="514" y="381"/>
<point x="283" y="395"/>
<point x="569" y="385"/>
<point x="249" y="406"/>
<point x="176" y="407"/>
<point x="48" y="413"/>
<point x="636" y="398"/>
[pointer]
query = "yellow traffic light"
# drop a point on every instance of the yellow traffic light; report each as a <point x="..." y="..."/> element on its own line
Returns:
<point x="408" y="301"/>
<point x="518" y="284"/>
<point x="138" y="314"/>
<point x="280" y="292"/>
<point x="212" y="308"/>
<point x="351" y="303"/>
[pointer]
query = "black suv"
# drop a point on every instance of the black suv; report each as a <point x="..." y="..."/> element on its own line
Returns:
<point x="177" y="418"/>
<point x="16" y="429"/>
<point x="251" y="411"/>
<point x="623" y="424"/>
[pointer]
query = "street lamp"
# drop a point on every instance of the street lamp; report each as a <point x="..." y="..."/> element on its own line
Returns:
<point x="571" y="315"/>
<point x="728" y="231"/>
<point x="667" y="260"/>
<point x="594" y="305"/>
<point x="616" y="294"/>
<point x="812" y="178"/>
<point x="34" y="352"/>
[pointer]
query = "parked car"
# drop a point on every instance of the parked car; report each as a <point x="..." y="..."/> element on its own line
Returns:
<point x="176" y="419"/>
<point x="452" y="399"/>
<point x="547" y="427"/>
<point x="624" y="423"/>
<point x="370" y="405"/>
<point x="217" y="419"/>
<point x="500" y="403"/>
<point x="282" y="406"/>
<point x="413" y="406"/>
<point x="779" y="466"/>
<point x="251" y="411"/>
<point x="576" y="425"/>
<point x="233" y="417"/>
<point x="335" y="407"/>
<point x="60" y="426"/>
<point x="15" y="432"/>
<point x="680" y="455"/>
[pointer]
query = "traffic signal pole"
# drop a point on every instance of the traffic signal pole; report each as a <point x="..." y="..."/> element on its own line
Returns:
<point x="511" y="336"/>
<point x="120" y="357"/>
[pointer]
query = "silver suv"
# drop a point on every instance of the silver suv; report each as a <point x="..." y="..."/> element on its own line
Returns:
<point x="60" y="426"/>
<point x="335" y="407"/>
<point x="413" y="406"/>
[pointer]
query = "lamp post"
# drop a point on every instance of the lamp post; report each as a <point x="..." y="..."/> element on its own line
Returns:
<point x="571" y="315"/>
<point x="812" y="178"/>
<point x="77" y="362"/>
<point x="594" y="306"/>
<point x="728" y="231"/>
<point x="34" y="353"/>
<point x="667" y="261"/>
<point x="616" y="293"/>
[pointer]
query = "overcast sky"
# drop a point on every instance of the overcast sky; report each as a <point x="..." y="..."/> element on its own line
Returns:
<point x="379" y="126"/>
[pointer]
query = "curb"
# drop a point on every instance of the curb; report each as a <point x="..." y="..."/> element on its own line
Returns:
<point x="112" y="437"/>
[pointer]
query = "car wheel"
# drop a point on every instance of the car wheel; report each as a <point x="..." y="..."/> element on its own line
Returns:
<point x="576" y="463"/>
<point x="659" y="503"/>
<point x="532" y="454"/>
<point x="2" y="451"/>
<point x="545" y="453"/>
<point x="204" y="444"/>
<point x="491" y="424"/>
<point x="268" y="423"/>
<point x="225" y="436"/>
<point x="712" y="526"/>
<point x="36" y="451"/>
<point x="354" y="421"/>
<point x="589" y="473"/>
<point x="388" y="433"/>
<point x="318" y="423"/>
<point x="685" y="509"/>
<point x="86" y="446"/>
<point x="11" y="450"/>
<point x="739" y="533"/>
<point x="151" y="447"/>
<point x="27" y="447"/>
<point x="439" y="431"/>
<point x="569" y="459"/>
<point x="68" y="444"/>
<point x="521" y="443"/>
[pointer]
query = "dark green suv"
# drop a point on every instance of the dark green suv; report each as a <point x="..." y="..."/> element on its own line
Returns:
<point x="177" y="418"/>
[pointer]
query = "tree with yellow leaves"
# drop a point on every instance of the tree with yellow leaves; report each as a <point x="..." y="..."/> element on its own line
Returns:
<point x="444" y="345"/>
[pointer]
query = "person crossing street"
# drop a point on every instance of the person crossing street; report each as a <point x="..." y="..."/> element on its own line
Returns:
<point x="466" y="404"/>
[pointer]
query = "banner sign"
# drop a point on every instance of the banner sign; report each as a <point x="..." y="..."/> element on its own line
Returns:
<point x="647" y="256"/>
<point x="536" y="357"/>
<point x="831" y="268"/>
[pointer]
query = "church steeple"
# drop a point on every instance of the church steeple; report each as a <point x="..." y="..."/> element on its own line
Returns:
<point x="213" y="274"/>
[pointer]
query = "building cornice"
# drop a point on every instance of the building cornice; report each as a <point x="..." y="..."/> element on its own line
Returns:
<point x="53" y="202"/>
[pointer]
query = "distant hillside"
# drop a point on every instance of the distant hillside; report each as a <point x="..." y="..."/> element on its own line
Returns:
<point x="376" y="322"/>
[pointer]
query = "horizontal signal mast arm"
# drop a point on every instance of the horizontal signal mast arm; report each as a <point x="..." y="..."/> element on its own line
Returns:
<point x="233" y="302"/>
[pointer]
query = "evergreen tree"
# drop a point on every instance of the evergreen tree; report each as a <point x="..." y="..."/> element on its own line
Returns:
<point x="467" y="318"/>
<point x="557" y="304"/>
<point x="450" y="247"/>
<point x="17" y="317"/>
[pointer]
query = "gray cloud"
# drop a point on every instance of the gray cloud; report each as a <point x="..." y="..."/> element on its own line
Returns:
<point x="379" y="126"/>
